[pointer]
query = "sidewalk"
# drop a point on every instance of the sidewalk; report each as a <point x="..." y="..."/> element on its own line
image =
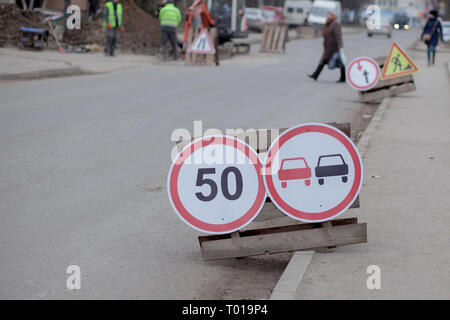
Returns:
<point x="405" y="202"/>
<point x="18" y="64"/>
<point x="25" y="64"/>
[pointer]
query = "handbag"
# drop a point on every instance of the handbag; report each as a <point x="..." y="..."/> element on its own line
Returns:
<point x="335" y="61"/>
<point x="427" y="36"/>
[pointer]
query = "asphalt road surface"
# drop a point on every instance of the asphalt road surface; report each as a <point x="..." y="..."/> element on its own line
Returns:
<point x="84" y="162"/>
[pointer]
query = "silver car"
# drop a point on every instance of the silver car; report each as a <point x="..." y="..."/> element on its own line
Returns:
<point x="385" y="28"/>
<point x="255" y="19"/>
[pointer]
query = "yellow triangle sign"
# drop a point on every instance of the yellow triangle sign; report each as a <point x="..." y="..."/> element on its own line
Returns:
<point x="397" y="64"/>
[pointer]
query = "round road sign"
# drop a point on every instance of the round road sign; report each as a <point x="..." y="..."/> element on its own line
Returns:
<point x="215" y="184"/>
<point x="363" y="73"/>
<point x="313" y="172"/>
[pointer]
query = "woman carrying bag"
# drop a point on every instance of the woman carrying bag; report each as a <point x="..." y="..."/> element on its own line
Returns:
<point x="430" y="35"/>
<point x="333" y="53"/>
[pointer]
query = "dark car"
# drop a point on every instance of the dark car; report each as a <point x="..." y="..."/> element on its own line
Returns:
<point x="339" y="168"/>
<point x="400" y="21"/>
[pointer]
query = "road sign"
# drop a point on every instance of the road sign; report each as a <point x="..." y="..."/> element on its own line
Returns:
<point x="215" y="184"/>
<point x="202" y="44"/>
<point x="363" y="73"/>
<point x="397" y="64"/>
<point x="313" y="172"/>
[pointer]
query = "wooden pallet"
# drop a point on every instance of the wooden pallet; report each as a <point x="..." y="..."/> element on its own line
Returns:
<point x="387" y="88"/>
<point x="274" y="37"/>
<point x="196" y="59"/>
<point x="272" y="231"/>
<point x="295" y="237"/>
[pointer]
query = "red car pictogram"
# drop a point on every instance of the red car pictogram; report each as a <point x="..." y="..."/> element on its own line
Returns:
<point x="299" y="172"/>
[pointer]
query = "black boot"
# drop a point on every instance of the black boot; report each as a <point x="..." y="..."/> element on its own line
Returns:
<point x="316" y="73"/>
<point x="342" y="78"/>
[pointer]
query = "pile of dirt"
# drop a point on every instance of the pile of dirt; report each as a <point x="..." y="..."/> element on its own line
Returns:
<point x="12" y="18"/>
<point x="141" y="33"/>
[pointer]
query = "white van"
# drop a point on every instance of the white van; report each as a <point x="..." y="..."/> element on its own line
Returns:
<point x="318" y="13"/>
<point x="296" y="11"/>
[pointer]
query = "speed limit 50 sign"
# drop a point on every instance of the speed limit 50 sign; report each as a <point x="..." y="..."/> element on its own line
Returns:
<point x="215" y="184"/>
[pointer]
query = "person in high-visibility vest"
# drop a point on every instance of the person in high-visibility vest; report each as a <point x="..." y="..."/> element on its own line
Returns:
<point x="112" y="21"/>
<point x="169" y="18"/>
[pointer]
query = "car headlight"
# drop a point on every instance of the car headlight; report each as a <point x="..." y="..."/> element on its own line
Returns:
<point x="406" y="27"/>
<point x="396" y="26"/>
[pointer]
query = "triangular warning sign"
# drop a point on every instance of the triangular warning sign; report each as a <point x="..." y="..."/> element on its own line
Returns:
<point x="397" y="64"/>
<point x="202" y="44"/>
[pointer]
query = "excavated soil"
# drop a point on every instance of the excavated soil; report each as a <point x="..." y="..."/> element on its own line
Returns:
<point x="141" y="33"/>
<point x="11" y="19"/>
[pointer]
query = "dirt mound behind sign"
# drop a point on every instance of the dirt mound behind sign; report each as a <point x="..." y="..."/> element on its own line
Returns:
<point x="141" y="33"/>
<point x="12" y="19"/>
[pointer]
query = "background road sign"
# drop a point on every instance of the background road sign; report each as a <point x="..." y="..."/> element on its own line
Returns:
<point x="325" y="180"/>
<point x="397" y="64"/>
<point x="363" y="73"/>
<point x="202" y="44"/>
<point x="215" y="184"/>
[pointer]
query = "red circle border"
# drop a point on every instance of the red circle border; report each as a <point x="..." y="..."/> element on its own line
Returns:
<point x="308" y="216"/>
<point x="208" y="227"/>
<point x="373" y="83"/>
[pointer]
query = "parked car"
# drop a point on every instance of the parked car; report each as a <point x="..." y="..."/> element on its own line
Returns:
<point x="384" y="29"/>
<point x="294" y="169"/>
<point x="272" y="14"/>
<point x="255" y="19"/>
<point x="296" y="12"/>
<point x="334" y="166"/>
<point x="318" y="14"/>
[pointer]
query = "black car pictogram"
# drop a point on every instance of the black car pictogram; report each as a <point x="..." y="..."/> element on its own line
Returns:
<point x="340" y="169"/>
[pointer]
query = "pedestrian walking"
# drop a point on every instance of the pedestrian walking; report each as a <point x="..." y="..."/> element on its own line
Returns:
<point x="169" y="18"/>
<point x="333" y="53"/>
<point x="430" y="34"/>
<point x="112" y="21"/>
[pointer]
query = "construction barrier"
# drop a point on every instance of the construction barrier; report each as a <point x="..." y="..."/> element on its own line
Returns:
<point x="274" y="38"/>
<point x="387" y="88"/>
<point x="274" y="232"/>
<point x="202" y="59"/>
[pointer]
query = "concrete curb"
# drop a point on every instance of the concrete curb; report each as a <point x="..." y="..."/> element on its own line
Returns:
<point x="290" y="280"/>
<point x="52" y="73"/>
<point x="447" y="63"/>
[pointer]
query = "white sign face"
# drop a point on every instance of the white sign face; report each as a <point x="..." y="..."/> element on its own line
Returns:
<point x="313" y="172"/>
<point x="363" y="73"/>
<point x="202" y="44"/>
<point x="215" y="184"/>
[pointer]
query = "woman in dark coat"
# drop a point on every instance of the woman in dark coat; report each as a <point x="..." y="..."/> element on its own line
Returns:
<point x="434" y="28"/>
<point x="332" y="43"/>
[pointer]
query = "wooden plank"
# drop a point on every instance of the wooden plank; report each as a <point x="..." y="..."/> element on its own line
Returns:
<point x="270" y="211"/>
<point x="265" y="33"/>
<point x="210" y="57"/>
<point x="283" y="228"/>
<point x="391" y="82"/>
<point x="284" y="38"/>
<point x="388" y="92"/>
<point x="276" y="35"/>
<point x="261" y="139"/>
<point x="187" y="55"/>
<point x="304" y="238"/>
<point x="270" y="37"/>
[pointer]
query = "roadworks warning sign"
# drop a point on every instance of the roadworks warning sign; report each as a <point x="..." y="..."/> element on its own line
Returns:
<point x="397" y="64"/>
